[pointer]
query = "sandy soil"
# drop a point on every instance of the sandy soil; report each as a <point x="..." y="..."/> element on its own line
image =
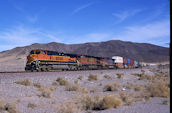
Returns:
<point x="23" y="95"/>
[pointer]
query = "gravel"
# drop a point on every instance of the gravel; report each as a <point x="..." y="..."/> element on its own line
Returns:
<point x="10" y="91"/>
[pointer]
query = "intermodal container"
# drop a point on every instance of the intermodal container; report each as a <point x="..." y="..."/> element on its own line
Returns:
<point x="136" y="64"/>
<point x="125" y="65"/>
<point x="117" y="59"/>
<point x="132" y="63"/>
<point x="128" y="61"/>
<point x="125" y="60"/>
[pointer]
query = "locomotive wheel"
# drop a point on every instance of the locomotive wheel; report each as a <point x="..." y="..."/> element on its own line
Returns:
<point x="46" y="69"/>
<point x="41" y="69"/>
<point x="33" y="70"/>
<point x="38" y="70"/>
<point x="28" y="70"/>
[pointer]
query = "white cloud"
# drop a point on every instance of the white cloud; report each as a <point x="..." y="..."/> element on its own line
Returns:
<point x="81" y="8"/>
<point x="19" y="35"/>
<point x="153" y="32"/>
<point x="148" y="31"/>
<point x="123" y="15"/>
<point x="22" y="36"/>
<point x="156" y="33"/>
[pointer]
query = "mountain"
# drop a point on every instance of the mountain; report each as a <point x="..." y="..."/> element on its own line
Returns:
<point x="16" y="58"/>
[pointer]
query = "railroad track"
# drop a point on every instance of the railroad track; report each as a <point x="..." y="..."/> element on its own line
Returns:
<point x="56" y="71"/>
<point x="28" y="72"/>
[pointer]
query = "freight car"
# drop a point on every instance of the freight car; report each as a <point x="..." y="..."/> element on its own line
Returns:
<point x="44" y="60"/>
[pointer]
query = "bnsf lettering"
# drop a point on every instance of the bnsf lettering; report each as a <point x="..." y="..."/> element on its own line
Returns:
<point x="59" y="58"/>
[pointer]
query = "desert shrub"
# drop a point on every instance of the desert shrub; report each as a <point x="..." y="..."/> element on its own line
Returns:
<point x="76" y="81"/>
<point x="143" y="72"/>
<point x="92" y="77"/>
<point x="30" y="105"/>
<point x="167" y="75"/>
<point x="38" y="85"/>
<point x="87" y="102"/>
<point x="46" y="92"/>
<point x="157" y="74"/>
<point x="1" y="105"/>
<point x="150" y="70"/>
<point x="107" y="77"/>
<point x="83" y="90"/>
<point x="80" y="77"/>
<point x="129" y="86"/>
<point x="148" y="77"/>
<point x="112" y="87"/>
<point x="95" y="103"/>
<point x="138" y="87"/>
<point x="11" y="107"/>
<point x="62" y="82"/>
<point x="137" y="74"/>
<point x="93" y="90"/>
<point x="120" y="75"/>
<point x="145" y="95"/>
<point x="72" y="88"/>
<point x="165" y="102"/>
<point x="25" y="82"/>
<point x="158" y="89"/>
<point x="68" y="107"/>
<point x="109" y="102"/>
<point x="55" y="83"/>
<point x="126" y="98"/>
<point x="76" y="88"/>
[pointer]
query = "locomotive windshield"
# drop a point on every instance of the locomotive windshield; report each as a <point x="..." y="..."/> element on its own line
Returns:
<point x="32" y="52"/>
<point x="35" y="52"/>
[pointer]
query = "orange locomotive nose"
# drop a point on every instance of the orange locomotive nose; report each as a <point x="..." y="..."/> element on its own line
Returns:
<point x="30" y="58"/>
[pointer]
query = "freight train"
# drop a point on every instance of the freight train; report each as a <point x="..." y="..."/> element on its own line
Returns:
<point x="45" y="60"/>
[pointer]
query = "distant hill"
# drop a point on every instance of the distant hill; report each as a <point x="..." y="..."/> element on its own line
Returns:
<point x="16" y="58"/>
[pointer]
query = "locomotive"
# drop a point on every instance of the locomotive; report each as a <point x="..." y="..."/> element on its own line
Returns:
<point x="45" y="60"/>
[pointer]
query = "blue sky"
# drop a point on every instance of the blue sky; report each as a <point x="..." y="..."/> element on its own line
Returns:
<point x="23" y="22"/>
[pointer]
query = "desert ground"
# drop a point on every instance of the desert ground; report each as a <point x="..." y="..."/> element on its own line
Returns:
<point x="141" y="90"/>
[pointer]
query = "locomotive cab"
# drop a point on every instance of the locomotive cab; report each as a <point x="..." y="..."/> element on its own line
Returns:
<point x="32" y="61"/>
<point x="34" y="54"/>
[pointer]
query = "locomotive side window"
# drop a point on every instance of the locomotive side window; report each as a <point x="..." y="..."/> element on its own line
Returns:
<point x="52" y="53"/>
<point x="49" y="53"/>
<point x="44" y="52"/>
<point x="37" y="52"/>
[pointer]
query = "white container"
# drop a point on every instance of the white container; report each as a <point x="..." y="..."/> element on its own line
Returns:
<point x="117" y="59"/>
